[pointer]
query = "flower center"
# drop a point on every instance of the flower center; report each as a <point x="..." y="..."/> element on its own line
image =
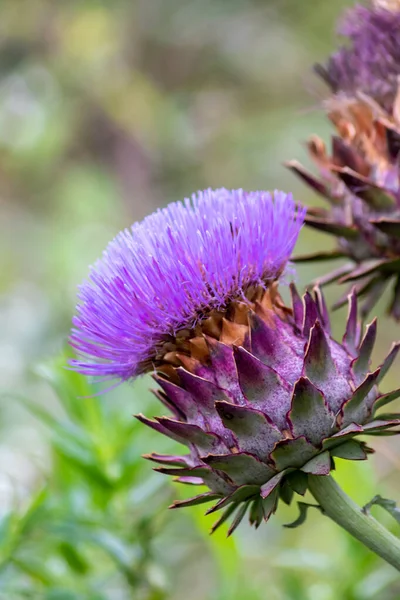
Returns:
<point x="188" y="347"/>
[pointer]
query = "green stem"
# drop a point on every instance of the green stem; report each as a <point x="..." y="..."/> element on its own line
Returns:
<point x="341" y="509"/>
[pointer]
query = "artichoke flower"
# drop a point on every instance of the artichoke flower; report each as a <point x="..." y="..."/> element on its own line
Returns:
<point x="258" y="391"/>
<point x="370" y="62"/>
<point x="359" y="176"/>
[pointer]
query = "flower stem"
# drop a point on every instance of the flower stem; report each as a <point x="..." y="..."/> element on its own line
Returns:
<point x="341" y="509"/>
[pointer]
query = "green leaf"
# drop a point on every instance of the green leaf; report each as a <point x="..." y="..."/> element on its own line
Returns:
<point x="389" y="505"/>
<point x="200" y="499"/>
<point x="286" y="493"/>
<point x="350" y="450"/>
<point x="225" y="515"/>
<point x="309" y="415"/>
<point x="362" y="362"/>
<point x="336" y="229"/>
<point x="74" y="558"/>
<point x="270" y="503"/>
<point x="318" y="256"/>
<point x="242" y="468"/>
<point x="83" y="460"/>
<point x="371" y="267"/>
<point x="72" y="389"/>
<point x="386" y="399"/>
<point x="256" y="512"/>
<point x="35" y="568"/>
<point x="293" y="453"/>
<point x="298" y="482"/>
<point x="257" y="436"/>
<point x="242" y="509"/>
<point x="389" y="226"/>
<point x="318" y="465"/>
<point x="358" y="408"/>
<point x="272" y="484"/>
<point x="241" y="494"/>
<point x="303" y="507"/>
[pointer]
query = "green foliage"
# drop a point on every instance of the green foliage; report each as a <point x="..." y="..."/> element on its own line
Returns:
<point x="93" y="522"/>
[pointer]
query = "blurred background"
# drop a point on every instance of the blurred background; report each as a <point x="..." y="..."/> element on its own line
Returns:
<point x="107" y="111"/>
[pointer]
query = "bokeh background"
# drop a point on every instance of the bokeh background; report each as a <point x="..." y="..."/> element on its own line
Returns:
<point x="109" y="110"/>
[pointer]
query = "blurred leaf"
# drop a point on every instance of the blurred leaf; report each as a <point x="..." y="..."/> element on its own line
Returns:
<point x="389" y="505"/>
<point x="74" y="558"/>
<point x="303" y="507"/>
<point x="35" y="568"/>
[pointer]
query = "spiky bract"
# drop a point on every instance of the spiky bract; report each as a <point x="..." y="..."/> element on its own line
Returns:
<point x="360" y="176"/>
<point x="157" y="281"/>
<point x="272" y="402"/>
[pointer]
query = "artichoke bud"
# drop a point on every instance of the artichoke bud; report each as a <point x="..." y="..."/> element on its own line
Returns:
<point x="359" y="175"/>
<point x="262" y="396"/>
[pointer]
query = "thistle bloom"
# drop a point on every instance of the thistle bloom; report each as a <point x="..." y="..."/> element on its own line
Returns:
<point x="370" y="62"/>
<point x="360" y="175"/>
<point x="259" y="392"/>
<point x="159" y="280"/>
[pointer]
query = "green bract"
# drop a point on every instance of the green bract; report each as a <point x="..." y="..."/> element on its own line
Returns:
<point x="262" y="410"/>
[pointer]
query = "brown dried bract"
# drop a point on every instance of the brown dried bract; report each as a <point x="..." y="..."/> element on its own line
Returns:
<point x="190" y="348"/>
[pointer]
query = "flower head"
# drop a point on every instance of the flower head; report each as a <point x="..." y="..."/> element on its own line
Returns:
<point x="370" y="62"/>
<point x="359" y="174"/>
<point x="172" y="270"/>
<point x="258" y="391"/>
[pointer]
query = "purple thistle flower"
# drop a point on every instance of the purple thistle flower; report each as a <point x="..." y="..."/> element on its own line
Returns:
<point x="259" y="392"/>
<point x="170" y="271"/>
<point x="370" y="63"/>
<point x="359" y="174"/>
